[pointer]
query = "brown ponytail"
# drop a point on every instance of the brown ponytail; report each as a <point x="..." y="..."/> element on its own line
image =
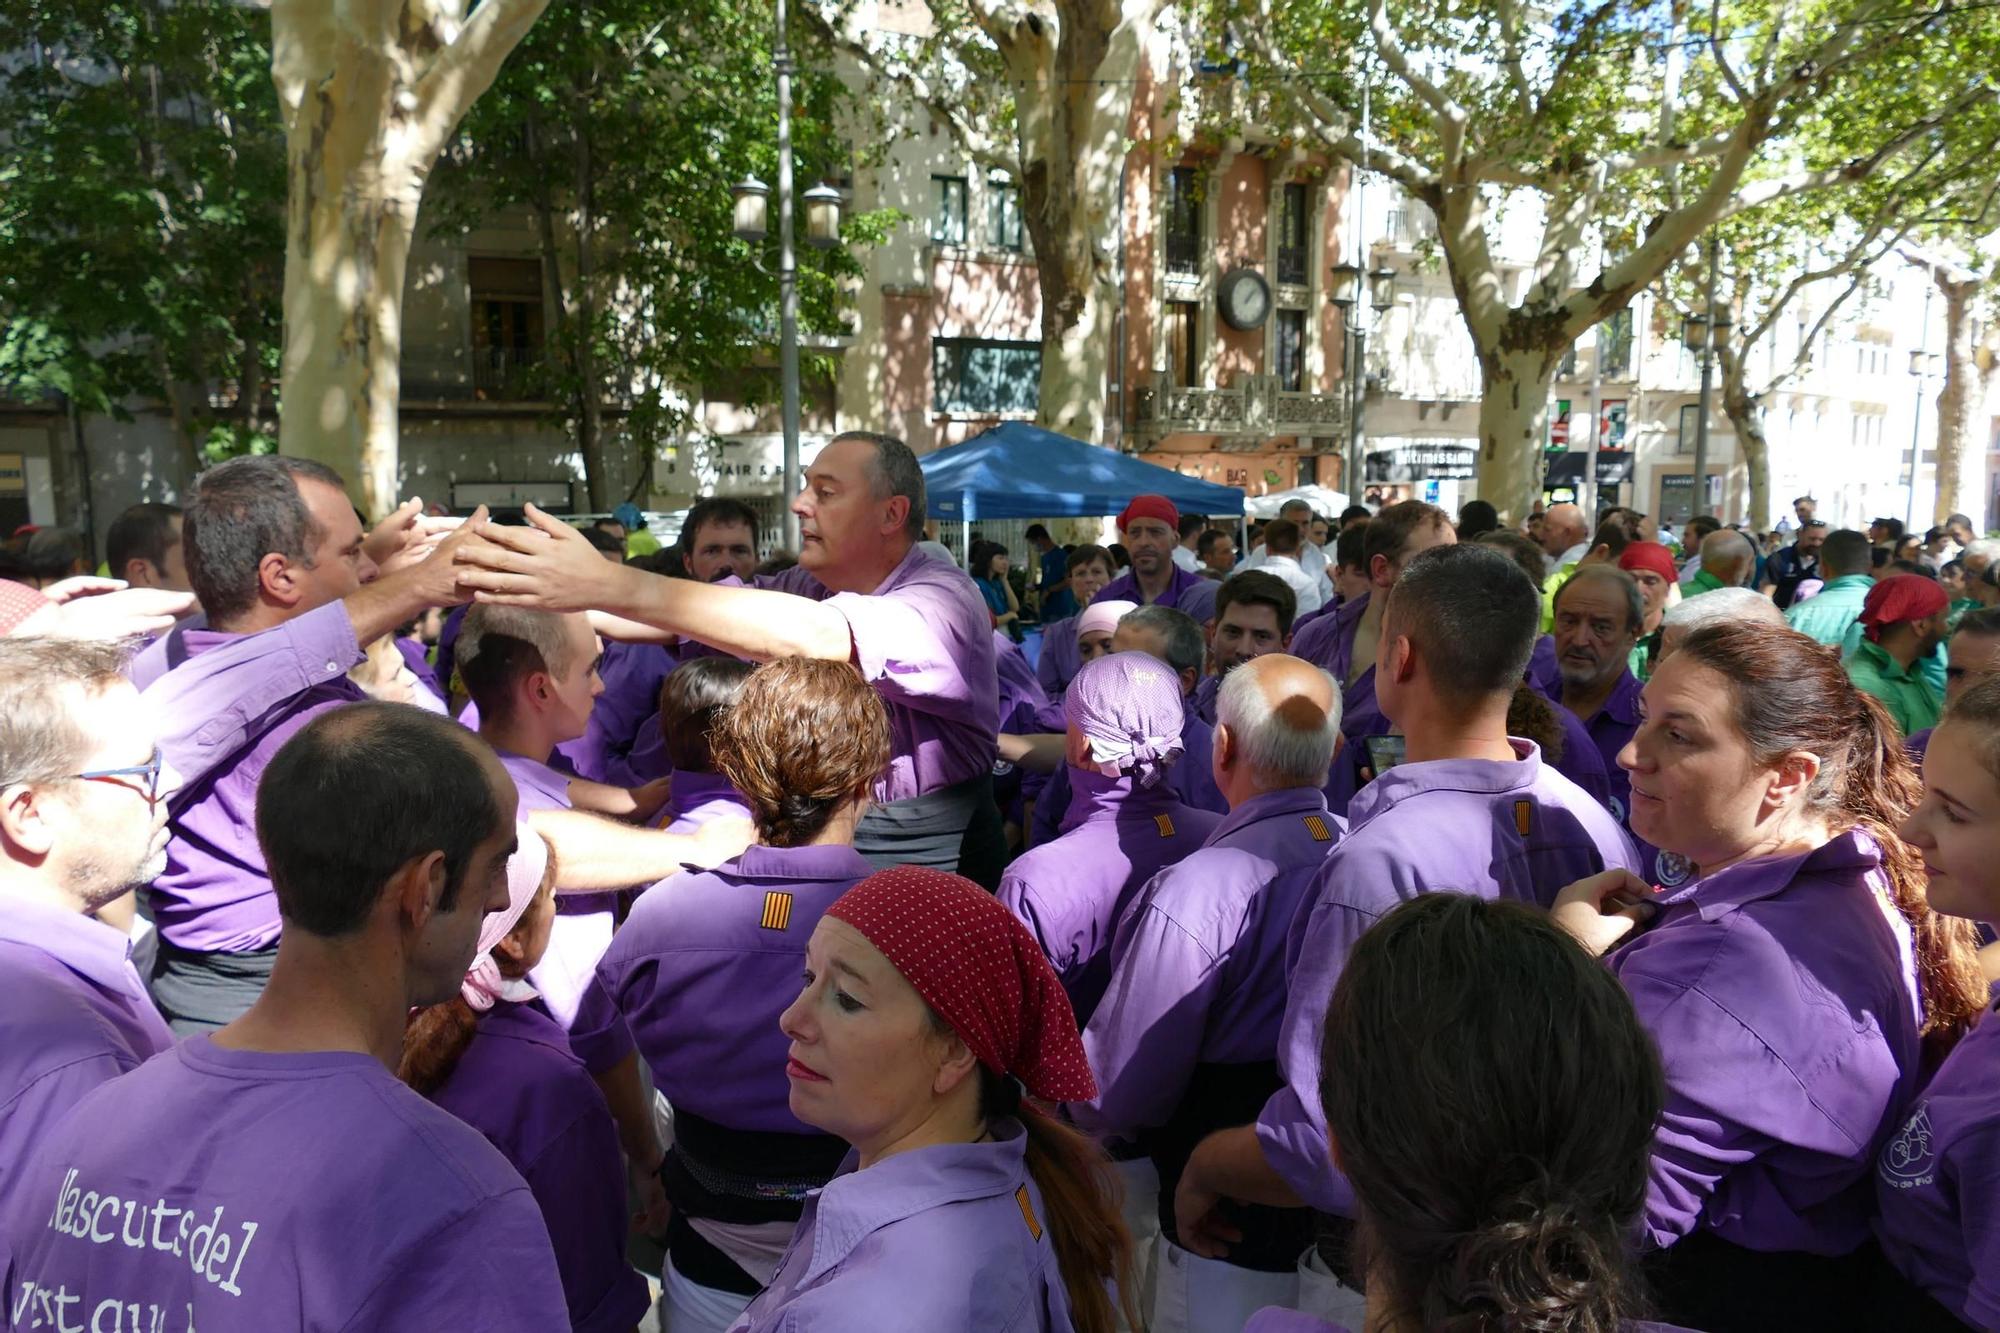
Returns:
<point x="433" y="1042"/>
<point x="1082" y="1194"/>
<point x="1792" y="694"/>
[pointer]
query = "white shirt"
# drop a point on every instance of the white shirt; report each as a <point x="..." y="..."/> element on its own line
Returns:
<point x="1571" y="556"/>
<point x="1304" y="587"/>
<point x="1311" y="559"/>
<point x="1187" y="560"/>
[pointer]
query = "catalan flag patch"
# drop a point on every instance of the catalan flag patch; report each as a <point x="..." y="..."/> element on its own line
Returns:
<point x="777" y="911"/>
<point x="1166" y="824"/>
<point x="1028" y="1212"/>
<point x="1522" y="812"/>
<point x="1316" y="825"/>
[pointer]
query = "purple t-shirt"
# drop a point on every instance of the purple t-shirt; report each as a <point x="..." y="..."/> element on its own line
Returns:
<point x="1060" y="659"/>
<point x="1198" y="961"/>
<point x="1782" y="993"/>
<point x="699" y="973"/>
<point x="924" y="640"/>
<point x="1071" y="892"/>
<point x="224" y="714"/>
<point x="1937" y="1182"/>
<point x="74" y="1015"/>
<point x="240" y="1191"/>
<point x="519" y="1085"/>
<point x="632" y="674"/>
<point x="1025" y="707"/>
<point x="699" y="799"/>
<point x="1186" y="591"/>
<point x="1328" y="643"/>
<point x="1498" y="829"/>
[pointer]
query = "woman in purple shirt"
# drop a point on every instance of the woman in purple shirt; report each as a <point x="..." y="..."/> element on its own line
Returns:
<point x="502" y="1066"/>
<point x="693" y="700"/>
<point x="1792" y="972"/>
<point x="928" y="1019"/>
<point x="1937" y="1179"/>
<point x="1491" y="1097"/>
<point x="1089" y="572"/>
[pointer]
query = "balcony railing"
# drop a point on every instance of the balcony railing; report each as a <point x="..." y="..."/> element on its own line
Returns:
<point x="1184" y="253"/>
<point x="1292" y="264"/>
<point x="1253" y="405"/>
<point x="486" y="374"/>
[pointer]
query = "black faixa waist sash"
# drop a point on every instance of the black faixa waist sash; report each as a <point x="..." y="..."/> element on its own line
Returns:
<point x="1220" y="1096"/>
<point x="745" y="1175"/>
<point x="955" y="828"/>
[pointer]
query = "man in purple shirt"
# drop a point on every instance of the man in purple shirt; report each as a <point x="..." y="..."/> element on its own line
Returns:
<point x="83" y="818"/>
<point x="1253" y="616"/>
<point x="1600" y="614"/>
<point x="288" y="581"/>
<point x="862" y="592"/>
<point x="276" y="1174"/>
<point x="1150" y="526"/>
<point x="1185" y="1040"/>
<point x="1469" y="810"/>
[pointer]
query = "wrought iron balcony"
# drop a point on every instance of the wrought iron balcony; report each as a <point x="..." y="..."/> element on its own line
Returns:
<point x="1253" y="406"/>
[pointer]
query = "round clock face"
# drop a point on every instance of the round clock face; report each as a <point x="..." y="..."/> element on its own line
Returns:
<point x="1245" y="299"/>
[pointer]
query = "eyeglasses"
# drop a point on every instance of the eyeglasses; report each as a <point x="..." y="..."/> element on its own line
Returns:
<point x="150" y="771"/>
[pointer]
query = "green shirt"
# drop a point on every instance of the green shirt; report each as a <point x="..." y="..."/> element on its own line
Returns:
<point x="1550" y="587"/>
<point x="1958" y="609"/>
<point x="1702" y="582"/>
<point x="1912" y="700"/>
<point x="1825" y="618"/>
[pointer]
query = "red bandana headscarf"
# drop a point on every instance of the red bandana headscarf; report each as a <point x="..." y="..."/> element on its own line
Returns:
<point x="1895" y="600"/>
<point x="1150" y="506"/>
<point x="1649" y="556"/>
<point x="980" y="969"/>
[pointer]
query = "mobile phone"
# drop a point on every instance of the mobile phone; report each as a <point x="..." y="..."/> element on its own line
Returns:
<point x="1384" y="753"/>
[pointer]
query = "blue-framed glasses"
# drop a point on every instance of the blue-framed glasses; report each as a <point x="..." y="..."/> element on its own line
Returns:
<point x="150" y="771"/>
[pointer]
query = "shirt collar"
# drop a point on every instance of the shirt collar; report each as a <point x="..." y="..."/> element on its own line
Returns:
<point x="855" y="1203"/>
<point x="1848" y="581"/>
<point x="1480" y="776"/>
<point x="1287" y="802"/>
<point x="692" y="789"/>
<point x="1095" y="797"/>
<point x="1852" y="853"/>
<point x="823" y="864"/>
<point x="1706" y="581"/>
<point x="1876" y="656"/>
<point x="86" y="946"/>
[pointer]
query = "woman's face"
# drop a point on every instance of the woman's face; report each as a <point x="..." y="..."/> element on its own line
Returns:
<point x="1093" y="645"/>
<point x="1957" y="826"/>
<point x="865" y="1063"/>
<point x="1696" y="788"/>
<point x="1088" y="579"/>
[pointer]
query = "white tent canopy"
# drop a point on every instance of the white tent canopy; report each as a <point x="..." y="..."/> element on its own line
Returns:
<point x="1326" y="503"/>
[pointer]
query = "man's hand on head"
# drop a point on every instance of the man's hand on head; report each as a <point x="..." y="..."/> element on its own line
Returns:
<point x="547" y="566"/>
<point x="435" y="572"/>
<point x="407" y="536"/>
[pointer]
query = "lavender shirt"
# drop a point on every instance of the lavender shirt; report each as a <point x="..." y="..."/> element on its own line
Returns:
<point x="699" y="799"/>
<point x="1060" y="659"/>
<point x="241" y="1191"/>
<point x="1937" y="1182"/>
<point x="1488" y="827"/>
<point x="224" y="714"/>
<point x="632" y="674"/>
<point x="584" y="921"/>
<point x="700" y="972"/>
<point x="953" y="1236"/>
<point x="1197" y="963"/>
<point x="1071" y="892"/>
<point x="1610" y="730"/>
<point x="1277" y="1319"/>
<point x="1782" y="993"/>
<point x="1186" y="591"/>
<point x="1545" y="669"/>
<point x="924" y="640"/>
<point x="75" y="1015"/>
<point x="519" y="1085"/>
<point x="1329" y="643"/>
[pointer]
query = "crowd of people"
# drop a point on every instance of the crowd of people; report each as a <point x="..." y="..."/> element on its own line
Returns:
<point x="1416" y="923"/>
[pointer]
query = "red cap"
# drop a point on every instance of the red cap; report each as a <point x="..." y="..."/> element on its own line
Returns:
<point x="1150" y="506"/>
<point x="1651" y="557"/>
<point x="975" y="964"/>
<point x="1895" y="600"/>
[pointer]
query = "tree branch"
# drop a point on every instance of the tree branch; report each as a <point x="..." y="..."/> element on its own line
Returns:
<point x="466" y="67"/>
<point x="980" y="143"/>
<point x="1451" y="116"/>
<point x="1335" y="128"/>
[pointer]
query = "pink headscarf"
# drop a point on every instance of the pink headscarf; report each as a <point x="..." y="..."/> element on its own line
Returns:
<point x="1128" y="706"/>
<point x="484" y="984"/>
<point x="1103" y="617"/>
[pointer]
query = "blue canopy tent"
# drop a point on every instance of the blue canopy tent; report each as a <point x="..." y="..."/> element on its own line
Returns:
<point x="1016" y="470"/>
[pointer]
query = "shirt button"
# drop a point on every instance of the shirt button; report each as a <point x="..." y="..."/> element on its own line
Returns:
<point x="332" y="667"/>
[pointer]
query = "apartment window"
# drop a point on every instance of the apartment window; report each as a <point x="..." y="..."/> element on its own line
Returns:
<point x="1183" y="344"/>
<point x="983" y="375"/>
<point x="1614" y="346"/>
<point x="1566" y="369"/>
<point x="948" y="222"/>
<point x="1183" y="223"/>
<point x="1292" y="243"/>
<point x="1690" y="417"/>
<point x="1291" y="333"/>
<point x="1003" y="214"/>
<point x="507" y="333"/>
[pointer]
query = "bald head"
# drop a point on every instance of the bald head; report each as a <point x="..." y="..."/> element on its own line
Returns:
<point x="1722" y="606"/>
<point x="1728" y="555"/>
<point x="1277" y="725"/>
<point x="1563" y="526"/>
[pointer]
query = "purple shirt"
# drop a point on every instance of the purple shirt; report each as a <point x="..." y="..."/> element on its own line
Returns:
<point x="224" y="714"/>
<point x="632" y="674"/>
<point x="241" y="1191"/>
<point x="1581" y="763"/>
<point x="518" y="1084"/>
<point x="1937" y="1182"/>
<point x="1198" y="961"/>
<point x="1186" y="591"/>
<point x="431" y="697"/>
<point x="924" y="640"/>
<point x="1782" y="993"/>
<point x="700" y="972"/>
<point x="1329" y="643"/>
<point x="584" y="921"/>
<point x="1545" y="669"/>
<point x="1071" y="892"/>
<point x="1487" y="827"/>
<point x="1277" y="1319"/>
<point x="75" y="1015"/>
<point x="1025" y="708"/>
<point x="1610" y="729"/>
<point x="953" y="1236"/>
<point x="699" y="799"/>
<point x="1202" y="702"/>
<point x="1060" y="659"/>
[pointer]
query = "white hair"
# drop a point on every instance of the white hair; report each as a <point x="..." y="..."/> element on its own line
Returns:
<point x="1987" y="548"/>
<point x="1721" y="605"/>
<point x="1277" y="752"/>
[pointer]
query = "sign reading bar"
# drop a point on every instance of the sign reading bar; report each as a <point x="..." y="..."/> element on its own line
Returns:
<point x="1423" y="462"/>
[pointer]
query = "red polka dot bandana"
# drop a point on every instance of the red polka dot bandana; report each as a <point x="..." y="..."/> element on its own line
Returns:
<point x="980" y="969"/>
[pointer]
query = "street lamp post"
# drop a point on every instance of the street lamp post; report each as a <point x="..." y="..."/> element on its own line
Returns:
<point x="1356" y="300"/>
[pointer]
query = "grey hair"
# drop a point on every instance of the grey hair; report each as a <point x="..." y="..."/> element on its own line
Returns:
<point x="1726" y="542"/>
<point x="1279" y="753"/>
<point x="43" y="733"/>
<point x="1722" y="606"/>
<point x="1635" y="602"/>
<point x="1987" y="548"/>
<point x="894" y="471"/>
<point x="540" y="630"/>
<point x="1178" y="630"/>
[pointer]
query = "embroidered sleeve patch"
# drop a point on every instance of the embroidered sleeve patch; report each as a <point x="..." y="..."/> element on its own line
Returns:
<point x="777" y="910"/>
<point x="1028" y="1212"/>
<point x="1316" y="825"/>
<point x="1522" y="812"/>
<point x="1166" y="823"/>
